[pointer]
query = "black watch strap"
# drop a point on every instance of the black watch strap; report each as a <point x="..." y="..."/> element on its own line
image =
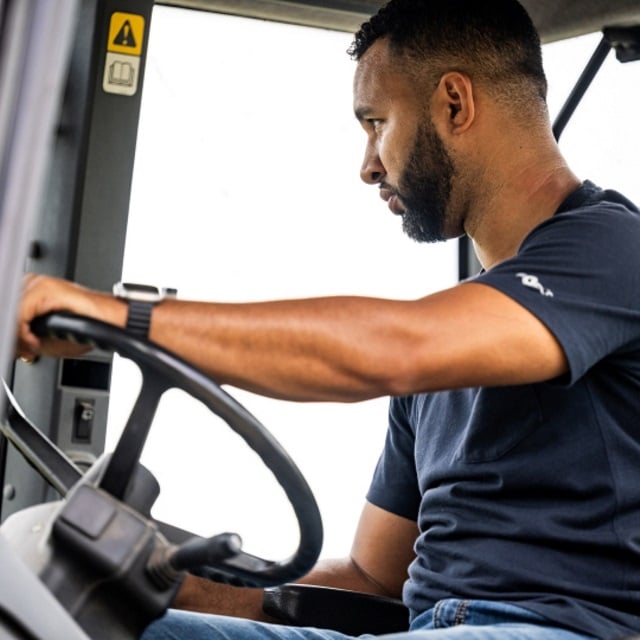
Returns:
<point x="139" y="318"/>
<point x="141" y="299"/>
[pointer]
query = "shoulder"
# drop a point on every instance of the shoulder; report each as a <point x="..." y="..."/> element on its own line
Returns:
<point x="595" y="235"/>
<point x="579" y="273"/>
<point x="599" y="218"/>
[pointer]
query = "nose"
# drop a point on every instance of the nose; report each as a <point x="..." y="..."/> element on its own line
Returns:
<point x="372" y="170"/>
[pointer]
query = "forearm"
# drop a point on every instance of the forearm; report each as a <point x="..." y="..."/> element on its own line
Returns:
<point x="199" y="594"/>
<point x="334" y="349"/>
<point x="202" y="595"/>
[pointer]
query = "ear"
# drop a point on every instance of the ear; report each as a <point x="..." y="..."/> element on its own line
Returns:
<point x="455" y="103"/>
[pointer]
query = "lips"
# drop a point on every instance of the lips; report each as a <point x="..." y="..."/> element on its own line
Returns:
<point x="392" y="199"/>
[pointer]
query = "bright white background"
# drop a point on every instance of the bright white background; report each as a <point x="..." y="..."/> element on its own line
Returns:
<point x="245" y="188"/>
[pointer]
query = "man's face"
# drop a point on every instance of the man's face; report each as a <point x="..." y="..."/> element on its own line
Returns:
<point x="405" y="156"/>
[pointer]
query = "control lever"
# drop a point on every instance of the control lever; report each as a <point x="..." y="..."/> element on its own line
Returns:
<point x="167" y="562"/>
<point x="219" y="558"/>
<point x="199" y="552"/>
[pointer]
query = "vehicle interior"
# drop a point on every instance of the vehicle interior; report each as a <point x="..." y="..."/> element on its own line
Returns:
<point x="84" y="552"/>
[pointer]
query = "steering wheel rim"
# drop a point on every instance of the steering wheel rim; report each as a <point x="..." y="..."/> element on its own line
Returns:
<point x="162" y="370"/>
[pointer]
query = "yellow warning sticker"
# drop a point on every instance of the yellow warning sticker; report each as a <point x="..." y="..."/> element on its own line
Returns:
<point x="126" y="33"/>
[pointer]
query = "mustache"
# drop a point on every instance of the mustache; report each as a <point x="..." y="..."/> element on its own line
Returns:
<point x="393" y="191"/>
<point x="385" y="186"/>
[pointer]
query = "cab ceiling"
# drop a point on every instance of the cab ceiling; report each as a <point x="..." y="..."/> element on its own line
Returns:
<point x="555" y="20"/>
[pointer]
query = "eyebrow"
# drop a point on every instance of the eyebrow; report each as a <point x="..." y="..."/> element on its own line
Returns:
<point x="361" y="113"/>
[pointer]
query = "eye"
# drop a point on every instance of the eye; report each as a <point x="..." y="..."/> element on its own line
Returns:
<point x="375" y="123"/>
<point x="371" y="125"/>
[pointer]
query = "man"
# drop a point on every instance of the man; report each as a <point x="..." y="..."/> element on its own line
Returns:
<point x="508" y="487"/>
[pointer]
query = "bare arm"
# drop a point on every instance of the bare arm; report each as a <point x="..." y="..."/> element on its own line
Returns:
<point x="338" y="348"/>
<point x="381" y="552"/>
<point x="380" y="555"/>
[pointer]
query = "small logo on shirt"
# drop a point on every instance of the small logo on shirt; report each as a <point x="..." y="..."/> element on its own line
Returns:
<point x="533" y="283"/>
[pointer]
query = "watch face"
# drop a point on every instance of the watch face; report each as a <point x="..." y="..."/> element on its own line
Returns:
<point x="141" y="292"/>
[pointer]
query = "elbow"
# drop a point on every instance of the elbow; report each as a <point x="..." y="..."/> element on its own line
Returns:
<point x="395" y="375"/>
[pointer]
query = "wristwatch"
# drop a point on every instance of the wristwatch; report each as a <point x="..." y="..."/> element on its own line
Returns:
<point x="141" y="299"/>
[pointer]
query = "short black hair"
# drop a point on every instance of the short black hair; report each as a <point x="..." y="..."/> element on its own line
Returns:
<point x="491" y="40"/>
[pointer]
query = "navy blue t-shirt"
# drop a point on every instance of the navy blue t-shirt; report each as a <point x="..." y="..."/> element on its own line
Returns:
<point x="530" y="494"/>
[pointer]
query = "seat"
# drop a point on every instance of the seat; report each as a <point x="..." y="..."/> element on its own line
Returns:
<point x="349" y="612"/>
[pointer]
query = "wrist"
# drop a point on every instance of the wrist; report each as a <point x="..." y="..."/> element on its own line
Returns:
<point x="139" y="301"/>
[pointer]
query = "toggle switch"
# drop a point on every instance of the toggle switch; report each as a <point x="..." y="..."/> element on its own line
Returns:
<point x="83" y="415"/>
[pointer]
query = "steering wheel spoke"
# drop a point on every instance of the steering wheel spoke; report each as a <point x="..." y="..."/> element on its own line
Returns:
<point x="129" y="448"/>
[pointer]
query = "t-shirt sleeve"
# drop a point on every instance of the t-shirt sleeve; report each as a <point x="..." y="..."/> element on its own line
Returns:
<point x="394" y="486"/>
<point x="579" y="273"/>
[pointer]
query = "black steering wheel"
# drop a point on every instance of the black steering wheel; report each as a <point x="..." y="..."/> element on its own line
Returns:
<point x="162" y="370"/>
<point x="102" y="556"/>
<point x="98" y="551"/>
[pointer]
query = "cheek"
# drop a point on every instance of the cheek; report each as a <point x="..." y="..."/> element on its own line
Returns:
<point x="393" y="151"/>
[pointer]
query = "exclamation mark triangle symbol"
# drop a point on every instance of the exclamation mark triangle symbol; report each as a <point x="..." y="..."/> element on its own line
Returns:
<point x="124" y="37"/>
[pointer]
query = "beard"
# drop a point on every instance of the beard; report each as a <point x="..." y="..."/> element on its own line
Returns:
<point x="425" y="187"/>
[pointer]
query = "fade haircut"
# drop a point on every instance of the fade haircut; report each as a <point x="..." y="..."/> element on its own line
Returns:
<point x="493" y="41"/>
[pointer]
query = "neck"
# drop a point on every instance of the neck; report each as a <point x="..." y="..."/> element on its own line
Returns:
<point x="500" y="218"/>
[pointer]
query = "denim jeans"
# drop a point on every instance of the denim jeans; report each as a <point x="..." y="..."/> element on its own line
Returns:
<point x="448" y="620"/>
